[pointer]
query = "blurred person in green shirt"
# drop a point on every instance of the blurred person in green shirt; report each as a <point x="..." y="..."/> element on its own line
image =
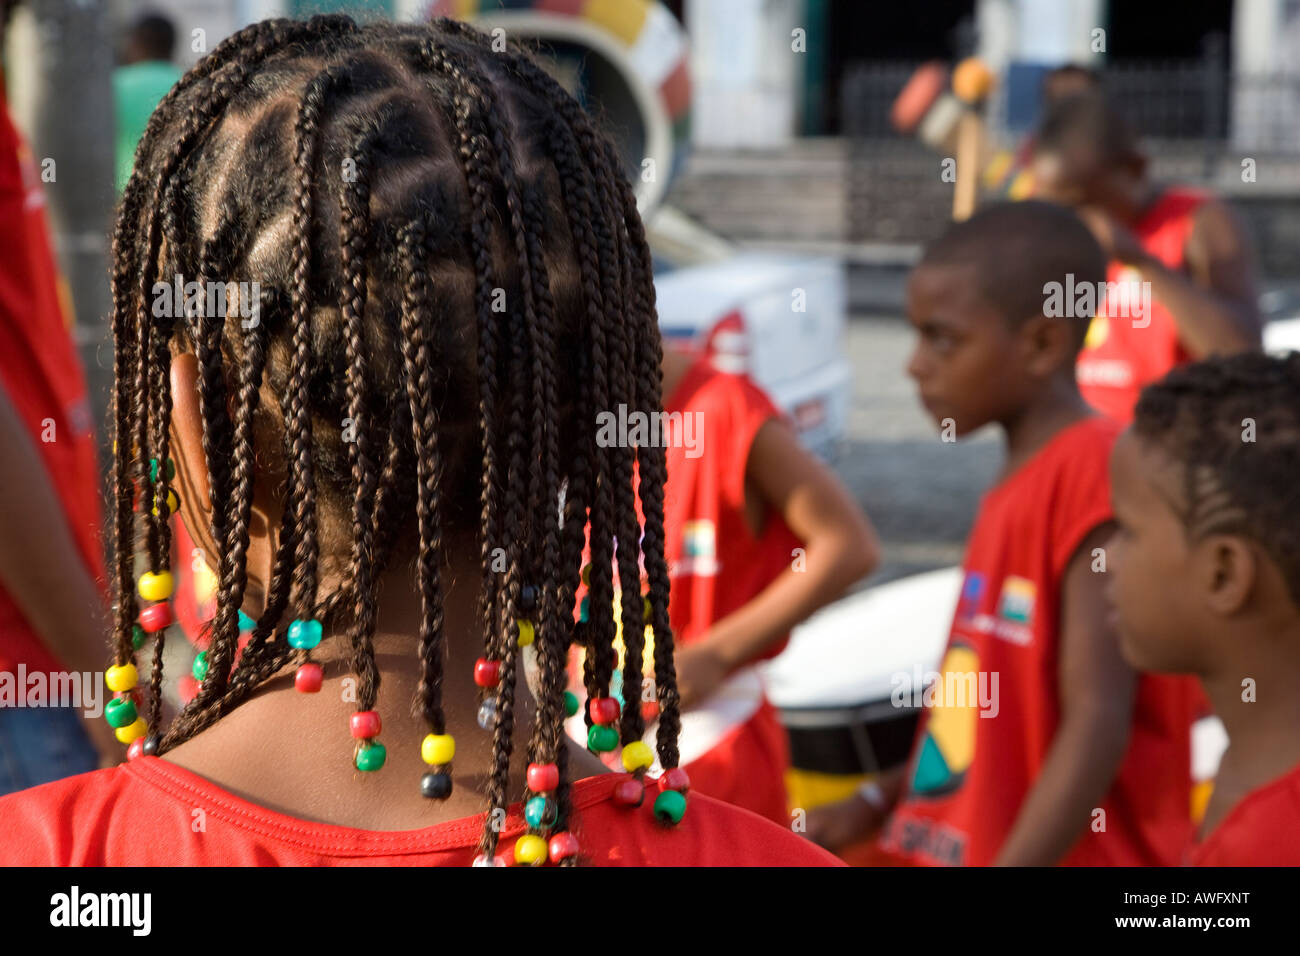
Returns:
<point x="143" y="79"/>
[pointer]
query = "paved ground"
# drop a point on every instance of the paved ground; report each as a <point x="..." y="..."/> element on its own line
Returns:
<point x="921" y="493"/>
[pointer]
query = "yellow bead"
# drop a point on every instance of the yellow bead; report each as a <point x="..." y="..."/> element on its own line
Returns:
<point x="637" y="755"/>
<point x="121" y="678"/>
<point x="156" y="587"/>
<point x="131" y="732"/>
<point x="438" y="749"/>
<point x="526" y="632"/>
<point x="530" y="850"/>
<point x="173" y="504"/>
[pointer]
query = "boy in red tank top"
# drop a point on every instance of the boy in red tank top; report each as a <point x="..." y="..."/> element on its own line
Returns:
<point x="1038" y="744"/>
<point x="1206" y="580"/>
<point x="1180" y="282"/>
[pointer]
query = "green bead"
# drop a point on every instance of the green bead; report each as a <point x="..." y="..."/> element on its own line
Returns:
<point x="170" y="469"/>
<point x="371" y="756"/>
<point x="200" y="668"/>
<point x="120" y="712"/>
<point x="570" y="703"/>
<point x="539" y="812"/>
<point x="137" y="636"/>
<point x="670" y="807"/>
<point x="602" y="739"/>
<point x="246" y="623"/>
<point x="584" y="609"/>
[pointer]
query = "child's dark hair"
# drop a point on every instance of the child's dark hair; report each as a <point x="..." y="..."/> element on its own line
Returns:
<point x="1232" y="425"/>
<point x="1087" y="117"/>
<point x="1016" y="249"/>
<point x="454" y="281"/>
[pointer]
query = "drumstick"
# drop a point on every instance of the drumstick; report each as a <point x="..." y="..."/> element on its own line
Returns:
<point x="972" y="82"/>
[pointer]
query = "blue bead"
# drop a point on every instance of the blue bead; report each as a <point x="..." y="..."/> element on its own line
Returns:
<point x="304" y="635"/>
<point x="539" y="812"/>
<point x="246" y="623"/>
<point x="584" y="609"/>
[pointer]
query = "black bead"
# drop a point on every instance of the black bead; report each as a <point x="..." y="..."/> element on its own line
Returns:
<point x="528" y="599"/>
<point x="150" y="746"/>
<point x="436" y="786"/>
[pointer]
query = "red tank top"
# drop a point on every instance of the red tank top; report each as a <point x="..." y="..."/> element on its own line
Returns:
<point x="1126" y="348"/>
<point x="981" y="745"/>
<point x="1262" y="830"/>
<point x="41" y="375"/>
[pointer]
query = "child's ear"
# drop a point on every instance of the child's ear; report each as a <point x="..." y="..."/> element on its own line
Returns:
<point x="1048" y="344"/>
<point x="1227" y="571"/>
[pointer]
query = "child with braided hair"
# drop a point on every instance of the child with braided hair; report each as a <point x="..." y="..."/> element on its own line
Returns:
<point x="432" y="279"/>
<point x="1205" y="580"/>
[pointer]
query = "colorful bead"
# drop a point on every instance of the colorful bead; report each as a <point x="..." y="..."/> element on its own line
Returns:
<point x="543" y="777"/>
<point x="586" y="574"/>
<point x="365" y="724"/>
<point x="649" y="710"/>
<point x="487" y="713"/>
<point x="173" y="504"/>
<point x="371" y="756"/>
<point x="487" y="673"/>
<point x="136" y="749"/>
<point x="629" y="792"/>
<point x="528" y="599"/>
<point x="540" y="812"/>
<point x="604" y="710"/>
<point x="308" y="679"/>
<point x="571" y="704"/>
<point x="530" y="850"/>
<point x="131" y="732"/>
<point x="675" y="779"/>
<point x="436" y="786"/>
<point x="120" y="712"/>
<point x="156" y="617"/>
<point x="584" y="609"/>
<point x="526" y="632"/>
<point x="648" y="611"/>
<point x="438" y="749"/>
<point x="137" y="636"/>
<point x="304" y="635"/>
<point x="563" y="846"/>
<point x="156" y="586"/>
<point x="121" y="677"/>
<point x="602" y="739"/>
<point x="149" y="747"/>
<point x="200" y="668"/>
<point x="187" y="688"/>
<point x="246" y="623"/>
<point x="169" y="468"/>
<point x="637" y="756"/>
<point x="670" y="806"/>
<point x="482" y="860"/>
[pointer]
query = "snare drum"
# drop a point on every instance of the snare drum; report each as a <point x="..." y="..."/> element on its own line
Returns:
<point x="836" y="684"/>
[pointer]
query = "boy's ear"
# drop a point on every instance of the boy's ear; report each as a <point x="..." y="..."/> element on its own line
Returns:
<point x="1049" y="344"/>
<point x="1227" y="568"/>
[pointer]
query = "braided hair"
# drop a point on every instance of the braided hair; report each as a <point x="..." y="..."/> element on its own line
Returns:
<point x="1232" y="424"/>
<point x="453" y="282"/>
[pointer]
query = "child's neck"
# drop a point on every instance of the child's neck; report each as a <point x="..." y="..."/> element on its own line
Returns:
<point x="292" y="753"/>
<point x="1057" y="406"/>
<point x="1261" y="719"/>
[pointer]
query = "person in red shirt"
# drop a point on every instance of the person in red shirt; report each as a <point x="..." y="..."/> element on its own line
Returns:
<point x="759" y="534"/>
<point x="1038" y="744"/>
<point x="424" y="281"/>
<point x="1181" y="277"/>
<point x="1205" y="580"/>
<point x="52" y="599"/>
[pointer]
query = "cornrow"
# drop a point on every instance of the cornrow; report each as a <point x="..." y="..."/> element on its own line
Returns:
<point x="368" y="360"/>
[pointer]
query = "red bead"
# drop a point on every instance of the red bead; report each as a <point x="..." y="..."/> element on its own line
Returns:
<point x="487" y="673"/>
<point x="240" y="644"/>
<point x="604" y="710"/>
<point x="650" y="710"/>
<point x="308" y="679"/>
<point x="365" y="724"/>
<point x="136" y="748"/>
<point x="629" y="792"/>
<point x="562" y="846"/>
<point x="156" y="617"/>
<point x="675" y="779"/>
<point x="543" y="777"/>
<point x="187" y="687"/>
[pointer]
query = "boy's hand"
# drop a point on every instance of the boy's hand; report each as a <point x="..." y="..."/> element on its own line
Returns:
<point x="700" y="670"/>
<point x="837" y="825"/>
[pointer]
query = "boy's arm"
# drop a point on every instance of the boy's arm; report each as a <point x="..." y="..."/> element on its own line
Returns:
<point x="1097" y="690"/>
<point x="839" y="547"/>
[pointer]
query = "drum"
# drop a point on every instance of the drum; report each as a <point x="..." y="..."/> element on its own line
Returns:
<point x="844" y="686"/>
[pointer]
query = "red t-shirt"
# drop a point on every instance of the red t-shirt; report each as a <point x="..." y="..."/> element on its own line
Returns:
<point x="42" y="378"/>
<point x="149" y="812"/>
<point x="1118" y="359"/>
<point x="1262" y="830"/>
<point x="970" y="773"/>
